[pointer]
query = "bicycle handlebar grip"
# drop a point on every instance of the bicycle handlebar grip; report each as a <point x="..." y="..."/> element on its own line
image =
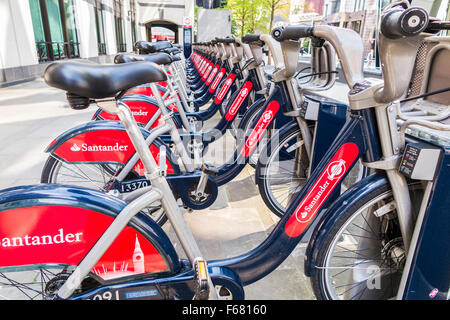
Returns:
<point x="250" y="37"/>
<point x="292" y="32"/>
<point x="225" y="40"/>
<point x="399" y="23"/>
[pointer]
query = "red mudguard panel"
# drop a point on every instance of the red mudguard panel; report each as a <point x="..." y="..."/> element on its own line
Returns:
<point x="102" y="146"/>
<point x="142" y="112"/>
<point x="146" y="91"/>
<point x="64" y="235"/>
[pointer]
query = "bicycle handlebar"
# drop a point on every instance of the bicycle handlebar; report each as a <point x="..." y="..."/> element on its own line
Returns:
<point x="399" y="22"/>
<point x="251" y="37"/>
<point x="225" y="40"/>
<point x="292" y="32"/>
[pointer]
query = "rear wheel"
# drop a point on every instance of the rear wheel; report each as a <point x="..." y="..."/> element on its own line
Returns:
<point x="95" y="176"/>
<point x="40" y="282"/>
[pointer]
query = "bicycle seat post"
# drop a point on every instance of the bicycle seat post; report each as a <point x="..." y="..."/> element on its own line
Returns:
<point x="159" y="182"/>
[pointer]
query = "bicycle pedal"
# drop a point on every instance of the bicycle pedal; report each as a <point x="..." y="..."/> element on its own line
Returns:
<point x="201" y="286"/>
<point x="209" y="169"/>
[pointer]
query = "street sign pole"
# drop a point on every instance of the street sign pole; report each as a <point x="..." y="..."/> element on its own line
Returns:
<point x="187" y="36"/>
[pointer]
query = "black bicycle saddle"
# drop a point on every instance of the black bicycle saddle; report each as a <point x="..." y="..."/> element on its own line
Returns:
<point x="158" y="58"/>
<point x="152" y="47"/>
<point x="98" y="81"/>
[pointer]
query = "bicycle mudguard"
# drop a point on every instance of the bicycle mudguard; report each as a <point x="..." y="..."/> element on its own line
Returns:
<point x="146" y="91"/>
<point x="355" y="193"/>
<point x="142" y="111"/>
<point x="105" y="142"/>
<point x="56" y="224"/>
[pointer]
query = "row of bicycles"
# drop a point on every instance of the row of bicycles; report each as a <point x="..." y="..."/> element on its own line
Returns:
<point x="367" y="181"/>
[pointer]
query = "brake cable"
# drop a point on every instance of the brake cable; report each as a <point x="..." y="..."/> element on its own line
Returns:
<point x="316" y="74"/>
<point x="301" y="71"/>
<point x="426" y="94"/>
<point x="247" y="63"/>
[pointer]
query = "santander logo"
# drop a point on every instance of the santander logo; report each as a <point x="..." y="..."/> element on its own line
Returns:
<point x="238" y="101"/>
<point x="48" y="239"/>
<point x="261" y="126"/>
<point x="336" y="169"/>
<point x="225" y="88"/>
<point x="266" y="119"/>
<point x="208" y="70"/>
<point x="217" y="80"/>
<point x="75" y="148"/>
<point x="211" y="76"/>
<point x="98" y="148"/>
<point x="139" y="113"/>
<point x="322" y="188"/>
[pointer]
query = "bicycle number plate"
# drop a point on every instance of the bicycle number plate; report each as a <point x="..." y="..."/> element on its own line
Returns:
<point x="129" y="186"/>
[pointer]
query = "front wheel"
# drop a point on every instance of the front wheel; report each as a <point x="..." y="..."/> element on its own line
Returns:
<point x="362" y="256"/>
<point x="283" y="169"/>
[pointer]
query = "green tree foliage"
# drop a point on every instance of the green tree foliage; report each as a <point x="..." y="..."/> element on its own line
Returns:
<point x="273" y="6"/>
<point x="249" y="16"/>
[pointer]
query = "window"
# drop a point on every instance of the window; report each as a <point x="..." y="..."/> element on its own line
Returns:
<point x="121" y="46"/>
<point x="356" y="25"/>
<point x="54" y="29"/>
<point x="359" y="5"/>
<point x="335" y="6"/>
<point x="98" y="12"/>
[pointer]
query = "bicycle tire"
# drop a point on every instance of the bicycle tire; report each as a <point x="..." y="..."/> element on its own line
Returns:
<point x="372" y="285"/>
<point x="50" y="175"/>
<point x="264" y="165"/>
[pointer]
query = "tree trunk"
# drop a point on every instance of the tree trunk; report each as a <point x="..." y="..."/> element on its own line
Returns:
<point x="272" y="10"/>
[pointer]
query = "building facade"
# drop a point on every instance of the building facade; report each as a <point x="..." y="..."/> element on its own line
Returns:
<point x="362" y="16"/>
<point x="34" y="33"/>
<point x="307" y="12"/>
<point x="154" y="16"/>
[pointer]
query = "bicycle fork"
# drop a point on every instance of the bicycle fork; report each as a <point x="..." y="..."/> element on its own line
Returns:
<point x="390" y="146"/>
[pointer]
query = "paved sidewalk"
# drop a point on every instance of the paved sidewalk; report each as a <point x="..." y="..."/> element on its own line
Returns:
<point x="32" y="115"/>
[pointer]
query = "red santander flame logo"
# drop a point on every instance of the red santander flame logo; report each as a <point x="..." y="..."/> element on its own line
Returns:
<point x="320" y="191"/>
<point x="433" y="293"/>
